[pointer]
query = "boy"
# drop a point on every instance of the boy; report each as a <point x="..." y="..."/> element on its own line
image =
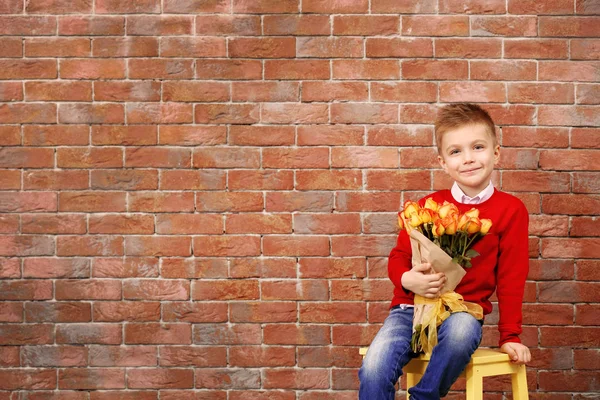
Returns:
<point x="467" y="151"/>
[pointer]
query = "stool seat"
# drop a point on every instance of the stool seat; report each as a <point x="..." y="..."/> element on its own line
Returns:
<point x="484" y="362"/>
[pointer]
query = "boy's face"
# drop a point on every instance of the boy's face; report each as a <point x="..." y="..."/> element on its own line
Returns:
<point x="468" y="154"/>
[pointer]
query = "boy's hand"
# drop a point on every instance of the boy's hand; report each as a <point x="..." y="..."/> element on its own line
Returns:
<point x="518" y="353"/>
<point x="421" y="281"/>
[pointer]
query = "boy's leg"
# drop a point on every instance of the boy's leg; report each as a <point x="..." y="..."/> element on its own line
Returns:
<point x="458" y="338"/>
<point x="388" y="353"/>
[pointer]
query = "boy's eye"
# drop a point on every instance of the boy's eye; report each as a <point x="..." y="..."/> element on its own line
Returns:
<point x="455" y="151"/>
<point x="478" y="146"/>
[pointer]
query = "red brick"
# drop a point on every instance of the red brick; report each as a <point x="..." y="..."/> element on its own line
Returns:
<point x="263" y="48"/>
<point x="131" y="267"/>
<point x="263" y="395"/>
<point x="261" y="135"/>
<point x="11" y="180"/>
<point x="585" y="138"/>
<point x="575" y="248"/>
<point x="258" y="223"/>
<point x="134" y="7"/>
<point x="257" y="356"/>
<point x="569" y="26"/>
<point x="96" y="289"/>
<point x="56" y="180"/>
<point x="480" y="92"/>
<point x="399" y="135"/>
<point x="122" y="356"/>
<point x="302" y="379"/>
<point x="25" y="290"/>
<point x="96" y="245"/>
<point x="228" y="378"/>
<point x="27" y="379"/>
<point x="11" y="91"/>
<point x="10" y="267"/>
<point x="229" y="69"/>
<point x="225" y="290"/>
<point x="295" y="290"/>
<point x="567" y="381"/>
<point x="161" y="202"/>
<point x="174" y="224"/>
<point x="585" y="226"/>
<point x="178" y="356"/>
<point x="536" y="7"/>
<point x="263" y="268"/>
<point x="91" y="113"/>
<point x="226" y="113"/>
<point x="299" y="201"/>
<point x="289" y="334"/>
<point x="536" y="48"/>
<point x="295" y="113"/>
<point x="226" y="158"/>
<point x="405" y="179"/>
<point x="364" y="113"/>
<point x="127" y="91"/>
<point x="229" y="334"/>
<point x="91" y="378"/>
<point x="158" y="333"/>
<point x="365" y="25"/>
<point x="260" y="180"/>
<point x="538" y="181"/>
<point x="399" y="47"/>
<point x="586" y="315"/>
<point x="27" y="113"/>
<point x="11" y="312"/>
<point x="27" y="201"/>
<point x="568" y="115"/>
<point x="472" y="7"/>
<point x="568" y="160"/>
<point x="9" y="356"/>
<point x="11" y="7"/>
<point x="327" y="223"/>
<point x="156" y="289"/>
<point x="92" y="69"/>
<point x="354" y="245"/>
<point x="51" y="356"/>
<point x="579" y="71"/>
<point x="125" y="47"/>
<point x="159" y="113"/>
<point x="404" y="91"/>
<point x="160" y="69"/>
<point x="504" y="26"/>
<point x="158" y="157"/>
<point x="369" y="290"/>
<point x="91" y="25"/>
<point x="435" y="69"/>
<point x="194" y="180"/>
<point x="10" y="135"/>
<point x="585" y="49"/>
<point x="192" y="135"/>
<point x="28" y="26"/>
<point x="504" y="70"/>
<point x="28" y="69"/>
<point x="195" y="312"/>
<point x="125" y="180"/>
<point x="587" y="270"/>
<point x="265" y="91"/>
<point x="297" y="69"/>
<point x="296" y="246"/>
<point x="512" y="114"/>
<point x="57" y="47"/>
<point x="550" y="270"/>
<point x="56" y="268"/>
<point x="130" y="311"/>
<point x="26" y="245"/>
<point x="228" y="25"/>
<point x="160" y="25"/>
<point x="404" y="7"/>
<point x="89" y="333"/>
<point x="338" y="312"/>
<point x="548" y="314"/>
<point x="332" y="268"/>
<point x="26" y="334"/>
<point x="191" y="6"/>
<point x="263" y="312"/>
<point x="297" y="25"/>
<point x="468" y="48"/>
<point x="49" y="135"/>
<point x="456" y="25"/>
<point x="325" y="47"/>
<point x="326" y="357"/>
<point x="195" y="91"/>
<point x="366" y="69"/>
<point x="265" y="6"/>
<point x="588" y="94"/>
<point x="329" y="91"/>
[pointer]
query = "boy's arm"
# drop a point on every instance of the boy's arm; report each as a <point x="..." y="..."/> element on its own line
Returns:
<point x="400" y="260"/>
<point x="513" y="267"/>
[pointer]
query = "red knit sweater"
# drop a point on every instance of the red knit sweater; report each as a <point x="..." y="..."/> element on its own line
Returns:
<point x="502" y="264"/>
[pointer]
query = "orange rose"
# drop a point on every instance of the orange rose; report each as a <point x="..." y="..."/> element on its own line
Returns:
<point x="415" y="220"/>
<point x="431" y="204"/>
<point x="472" y="213"/>
<point x="450" y="224"/>
<point x="486" y="224"/>
<point x="446" y="209"/>
<point x="462" y="222"/>
<point x="427" y="215"/>
<point x="473" y="226"/>
<point x="410" y="207"/>
<point x="438" y="228"/>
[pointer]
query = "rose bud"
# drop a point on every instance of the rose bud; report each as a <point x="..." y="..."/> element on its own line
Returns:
<point x="426" y="215"/>
<point x="462" y="222"/>
<point x="472" y="213"/>
<point x="431" y="204"/>
<point x="473" y="226"/>
<point x="438" y="229"/>
<point x="486" y="224"/>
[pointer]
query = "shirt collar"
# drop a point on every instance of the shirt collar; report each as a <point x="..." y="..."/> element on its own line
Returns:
<point x="461" y="197"/>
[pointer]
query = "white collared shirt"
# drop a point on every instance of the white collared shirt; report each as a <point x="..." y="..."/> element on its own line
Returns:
<point x="461" y="197"/>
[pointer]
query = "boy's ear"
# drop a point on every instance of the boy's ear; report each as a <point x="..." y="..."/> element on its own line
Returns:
<point x="442" y="163"/>
<point x="496" y="154"/>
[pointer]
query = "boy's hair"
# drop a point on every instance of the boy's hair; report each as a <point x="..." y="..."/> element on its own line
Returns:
<point x="457" y="115"/>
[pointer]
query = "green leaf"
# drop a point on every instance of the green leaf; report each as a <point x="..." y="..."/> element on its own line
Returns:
<point x="468" y="264"/>
<point x="471" y="253"/>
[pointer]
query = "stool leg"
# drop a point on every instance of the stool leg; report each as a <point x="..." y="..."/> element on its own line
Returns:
<point x="519" y="384"/>
<point x="411" y="380"/>
<point x="474" y="384"/>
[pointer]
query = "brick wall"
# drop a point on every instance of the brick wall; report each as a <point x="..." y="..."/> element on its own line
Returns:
<point x="198" y="196"/>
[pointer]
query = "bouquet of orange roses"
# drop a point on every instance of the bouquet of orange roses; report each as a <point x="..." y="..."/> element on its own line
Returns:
<point x="442" y="236"/>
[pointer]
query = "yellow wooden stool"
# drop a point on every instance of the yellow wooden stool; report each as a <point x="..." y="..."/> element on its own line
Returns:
<point x="484" y="362"/>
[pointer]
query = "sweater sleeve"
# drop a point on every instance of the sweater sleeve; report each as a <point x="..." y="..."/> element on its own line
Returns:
<point x="513" y="267"/>
<point x="400" y="260"/>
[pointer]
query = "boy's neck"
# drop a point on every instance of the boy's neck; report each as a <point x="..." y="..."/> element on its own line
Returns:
<point x="463" y="197"/>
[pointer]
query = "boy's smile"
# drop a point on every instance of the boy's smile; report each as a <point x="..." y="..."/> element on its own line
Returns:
<point x="468" y="154"/>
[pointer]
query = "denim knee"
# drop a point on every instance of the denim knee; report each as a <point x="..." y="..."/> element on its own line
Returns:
<point x="461" y="332"/>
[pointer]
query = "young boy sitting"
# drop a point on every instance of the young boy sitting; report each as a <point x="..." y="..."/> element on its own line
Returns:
<point x="467" y="151"/>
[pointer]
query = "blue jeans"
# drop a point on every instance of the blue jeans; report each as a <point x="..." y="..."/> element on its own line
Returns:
<point x="458" y="338"/>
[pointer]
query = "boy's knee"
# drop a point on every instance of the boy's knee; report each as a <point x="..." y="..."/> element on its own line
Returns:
<point x="463" y="331"/>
